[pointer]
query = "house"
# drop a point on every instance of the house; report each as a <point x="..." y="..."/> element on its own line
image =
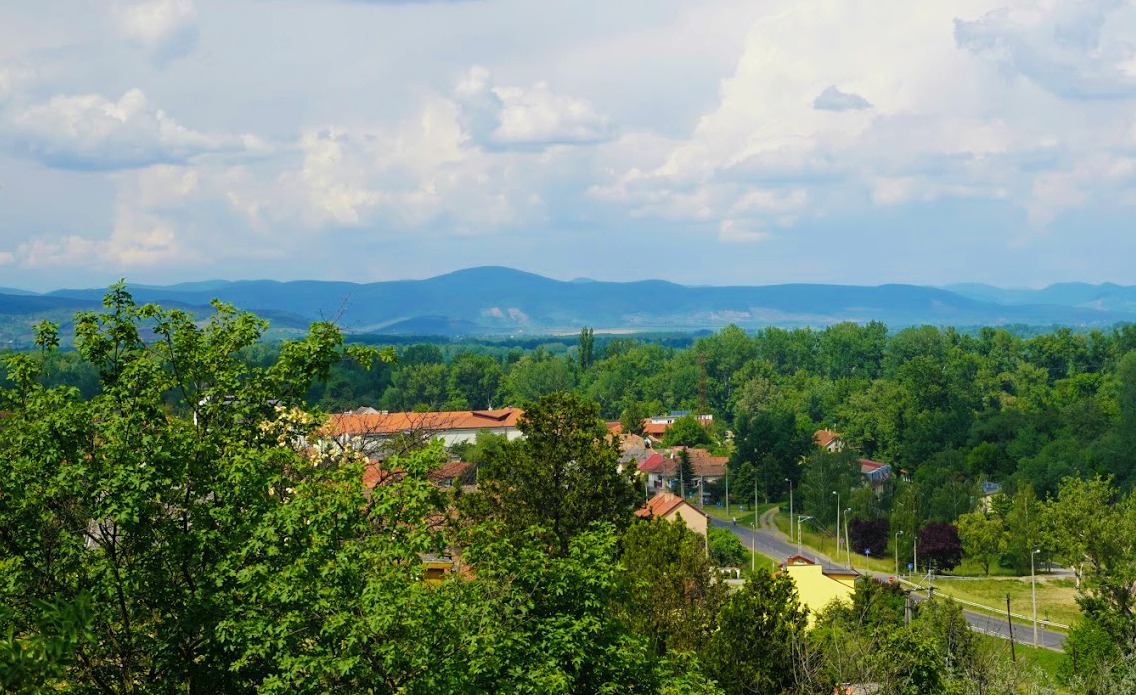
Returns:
<point x="664" y="505"/>
<point x="817" y="585"/>
<point x="710" y="468"/>
<point x="658" y="469"/>
<point x="829" y="440"/>
<point x="451" y="427"/>
<point x="875" y="472"/>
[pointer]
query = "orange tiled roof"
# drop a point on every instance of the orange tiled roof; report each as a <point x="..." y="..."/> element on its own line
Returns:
<point x="660" y="505"/>
<point x="825" y="437"/>
<point x="354" y="423"/>
<point x="615" y="428"/>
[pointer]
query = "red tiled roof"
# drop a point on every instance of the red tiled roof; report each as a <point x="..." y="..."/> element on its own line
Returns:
<point x="660" y="505"/>
<point x="657" y="464"/>
<point x="615" y="428"/>
<point x="868" y="465"/>
<point x="703" y="463"/>
<point x="654" y="428"/>
<point x="375" y="473"/>
<point x="449" y="470"/>
<point x="391" y="423"/>
<point x="825" y="437"/>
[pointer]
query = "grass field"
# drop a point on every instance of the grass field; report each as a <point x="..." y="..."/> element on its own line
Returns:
<point x="1056" y="598"/>
<point x="744" y="518"/>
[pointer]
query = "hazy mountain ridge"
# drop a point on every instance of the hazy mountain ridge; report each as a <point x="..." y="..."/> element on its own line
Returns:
<point x="494" y="300"/>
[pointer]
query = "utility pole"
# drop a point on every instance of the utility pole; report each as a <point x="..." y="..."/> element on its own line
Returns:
<point x="790" y="507"/>
<point x="1033" y="589"/>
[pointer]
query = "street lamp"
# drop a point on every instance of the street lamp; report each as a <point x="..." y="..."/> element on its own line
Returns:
<point x="1033" y="588"/>
<point x="847" y="541"/>
<point x="897" y="535"/>
<point x="837" y="524"/>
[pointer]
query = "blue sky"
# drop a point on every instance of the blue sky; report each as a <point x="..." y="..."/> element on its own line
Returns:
<point x="705" y="142"/>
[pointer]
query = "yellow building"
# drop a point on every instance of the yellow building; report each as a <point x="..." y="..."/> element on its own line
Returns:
<point x="818" y="586"/>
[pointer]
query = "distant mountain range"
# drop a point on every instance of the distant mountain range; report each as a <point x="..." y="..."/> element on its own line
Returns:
<point x="500" y="301"/>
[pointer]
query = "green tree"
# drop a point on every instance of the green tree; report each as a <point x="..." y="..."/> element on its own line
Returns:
<point x="827" y="473"/>
<point x="685" y="472"/>
<point x="1094" y="532"/>
<point x="983" y="537"/>
<point x="563" y="475"/>
<point x="631" y="418"/>
<point x="586" y="348"/>
<point x="475" y="380"/>
<point x="761" y="630"/>
<point x="144" y="513"/>
<point x="539" y="374"/>
<point x="726" y="549"/>
<point x="675" y="595"/>
<point x="687" y="430"/>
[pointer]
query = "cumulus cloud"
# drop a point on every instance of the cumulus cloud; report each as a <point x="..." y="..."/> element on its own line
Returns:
<point x="1074" y="48"/>
<point x="90" y="131"/>
<point x="167" y="29"/>
<point x="138" y="239"/>
<point x="927" y="114"/>
<point x="507" y="116"/>
<point x="832" y="99"/>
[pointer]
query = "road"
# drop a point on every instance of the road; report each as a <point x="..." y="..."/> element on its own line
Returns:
<point x="770" y="541"/>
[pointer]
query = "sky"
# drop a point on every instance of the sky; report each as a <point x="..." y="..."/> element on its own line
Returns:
<point x="700" y="141"/>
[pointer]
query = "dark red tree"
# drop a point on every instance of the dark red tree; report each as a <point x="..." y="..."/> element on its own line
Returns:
<point x="869" y="535"/>
<point x="939" y="544"/>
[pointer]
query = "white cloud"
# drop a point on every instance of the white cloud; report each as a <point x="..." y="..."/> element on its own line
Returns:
<point x="1075" y="48"/>
<point x="90" y="131"/>
<point x="167" y="29"/>
<point x="138" y="239"/>
<point x="846" y="121"/>
<point x="738" y="231"/>
<point x="533" y="116"/>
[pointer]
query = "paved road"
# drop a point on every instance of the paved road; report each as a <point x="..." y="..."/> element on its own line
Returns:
<point x="770" y="541"/>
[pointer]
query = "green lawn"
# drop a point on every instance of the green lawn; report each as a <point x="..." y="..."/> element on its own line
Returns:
<point x="744" y="518"/>
<point x="1056" y="598"/>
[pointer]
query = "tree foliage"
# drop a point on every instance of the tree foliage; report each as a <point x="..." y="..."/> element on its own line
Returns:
<point x="761" y="629"/>
<point x="563" y="475"/>
<point x="675" y="594"/>
<point x="939" y="545"/>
